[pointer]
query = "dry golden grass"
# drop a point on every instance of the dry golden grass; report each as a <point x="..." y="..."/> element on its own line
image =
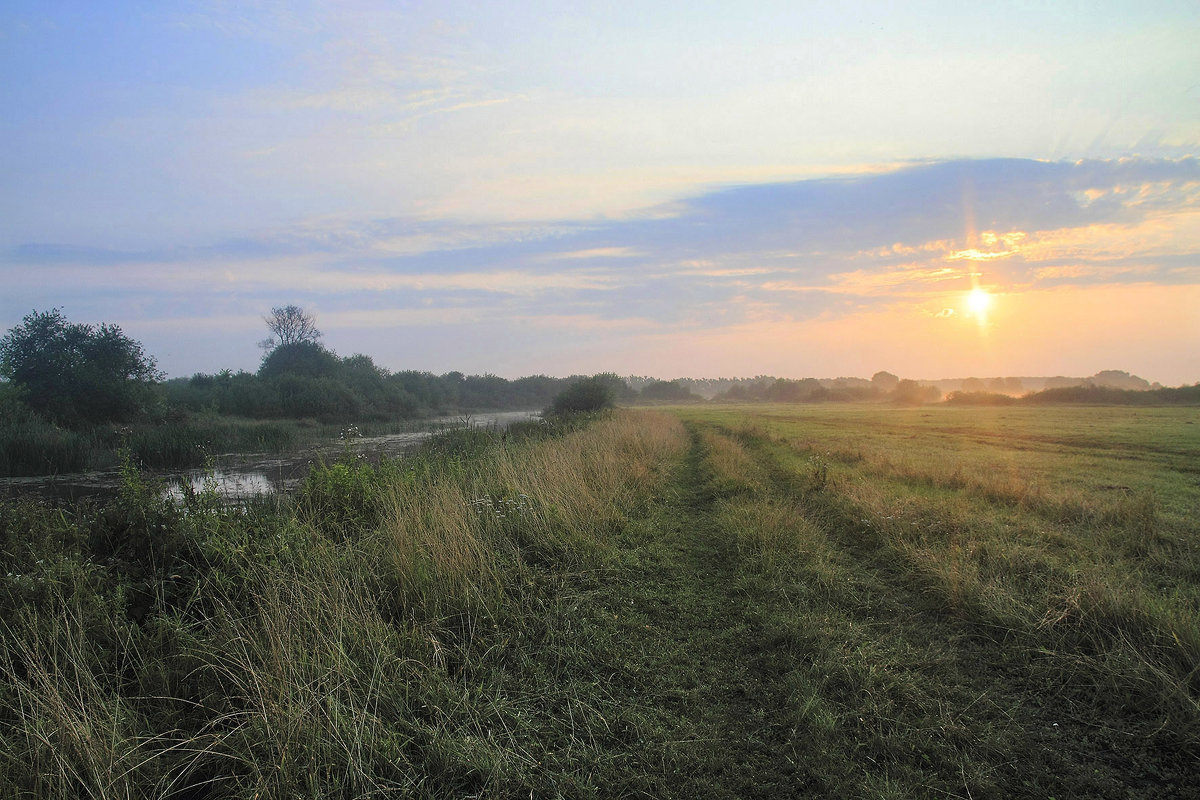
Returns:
<point x="437" y="551"/>
<point x="733" y="468"/>
<point x="554" y="499"/>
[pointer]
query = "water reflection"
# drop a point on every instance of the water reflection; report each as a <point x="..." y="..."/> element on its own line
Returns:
<point x="231" y="485"/>
<point x="243" y="475"/>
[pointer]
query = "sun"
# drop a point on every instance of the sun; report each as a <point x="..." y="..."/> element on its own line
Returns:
<point x="979" y="301"/>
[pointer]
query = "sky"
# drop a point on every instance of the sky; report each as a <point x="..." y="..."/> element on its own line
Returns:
<point x="666" y="188"/>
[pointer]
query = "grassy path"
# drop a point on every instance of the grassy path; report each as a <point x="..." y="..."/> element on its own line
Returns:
<point x="830" y="672"/>
<point x="757" y="683"/>
<point x="691" y="650"/>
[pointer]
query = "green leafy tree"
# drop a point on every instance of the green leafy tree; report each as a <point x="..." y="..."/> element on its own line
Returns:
<point x="621" y="390"/>
<point x="78" y="374"/>
<point x="305" y="358"/>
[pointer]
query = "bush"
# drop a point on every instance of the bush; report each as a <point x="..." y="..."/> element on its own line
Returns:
<point x="300" y="358"/>
<point x="340" y="498"/>
<point x="584" y="395"/>
<point x="78" y="374"/>
<point x="1104" y="395"/>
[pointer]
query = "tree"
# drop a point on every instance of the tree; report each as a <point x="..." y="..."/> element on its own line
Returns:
<point x="585" y="394"/>
<point x="1119" y="379"/>
<point x="789" y="391"/>
<point x="289" y="325"/>
<point x="621" y="390"/>
<point x="667" y="392"/>
<point x="77" y="373"/>
<point x="304" y="358"/>
<point x="884" y="381"/>
<point x="909" y="392"/>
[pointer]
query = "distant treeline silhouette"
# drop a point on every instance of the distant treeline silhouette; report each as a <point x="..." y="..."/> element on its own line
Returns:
<point x="1095" y="395"/>
<point x="72" y="395"/>
<point x="320" y="385"/>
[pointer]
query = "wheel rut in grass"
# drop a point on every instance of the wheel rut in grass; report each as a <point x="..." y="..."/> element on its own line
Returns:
<point x="837" y="675"/>
<point x="697" y="658"/>
<point x="946" y="700"/>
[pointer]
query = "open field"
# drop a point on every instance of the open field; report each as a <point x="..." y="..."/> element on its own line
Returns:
<point x="768" y="601"/>
<point x="1011" y="595"/>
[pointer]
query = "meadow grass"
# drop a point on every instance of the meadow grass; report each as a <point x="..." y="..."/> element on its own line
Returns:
<point x="760" y="601"/>
<point x="1067" y="537"/>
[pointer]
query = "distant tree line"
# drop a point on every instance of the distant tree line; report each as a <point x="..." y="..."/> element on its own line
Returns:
<point x="1089" y="394"/>
<point x="306" y="380"/>
<point x="77" y="376"/>
<point x="883" y="386"/>
<point x="887" y="387"/>
<point x="72" y="395"/>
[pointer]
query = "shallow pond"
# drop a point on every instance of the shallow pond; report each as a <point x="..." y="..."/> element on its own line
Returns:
<point x="240" y="475"/>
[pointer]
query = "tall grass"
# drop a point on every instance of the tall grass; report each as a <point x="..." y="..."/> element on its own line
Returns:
<point x="188" y="443"/>
<point x="553" y="503"/>
<point x="34" y="447"/>
<point x="372" y="639"/>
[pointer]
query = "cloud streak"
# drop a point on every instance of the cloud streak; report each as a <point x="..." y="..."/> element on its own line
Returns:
<point x="807" y="251"/>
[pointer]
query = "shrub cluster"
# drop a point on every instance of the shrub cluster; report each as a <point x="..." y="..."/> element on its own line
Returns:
<point x="306" y="381"/>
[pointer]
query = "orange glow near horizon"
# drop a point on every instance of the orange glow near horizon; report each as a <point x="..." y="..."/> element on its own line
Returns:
<point x="930" y="345"/>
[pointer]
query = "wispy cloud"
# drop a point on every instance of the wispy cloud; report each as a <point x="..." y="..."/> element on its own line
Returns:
<point x="912" y="240"/>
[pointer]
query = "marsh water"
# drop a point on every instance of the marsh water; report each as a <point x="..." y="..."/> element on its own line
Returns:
<point x="241" y="475"/>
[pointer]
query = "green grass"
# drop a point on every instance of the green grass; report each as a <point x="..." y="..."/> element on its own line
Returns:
<point x="1038" y="567"/>
<point x="404" y="630"/>
<point x="742" y="602"/>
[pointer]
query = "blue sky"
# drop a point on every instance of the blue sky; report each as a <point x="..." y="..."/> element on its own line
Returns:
<point x="667" y="188"/>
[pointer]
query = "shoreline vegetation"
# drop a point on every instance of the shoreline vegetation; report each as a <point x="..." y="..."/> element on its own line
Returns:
<point x="196" y="419"/>
<point x="73" y="397"/>
<point x="702" y="601"/>
<point x="187" y="421"/>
